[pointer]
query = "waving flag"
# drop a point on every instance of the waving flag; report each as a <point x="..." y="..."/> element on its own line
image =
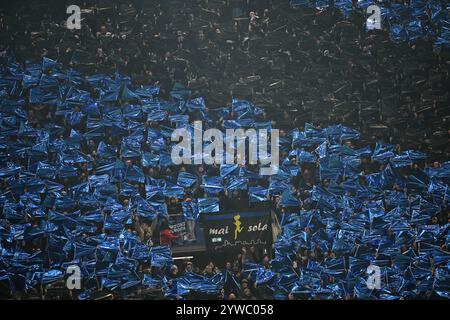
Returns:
<point x="186" y="180"/>
<point x="208" y="205"/>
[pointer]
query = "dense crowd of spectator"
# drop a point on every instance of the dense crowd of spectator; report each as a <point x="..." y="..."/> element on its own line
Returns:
<point x="312" y="65"/>
<point x="296" y="66"/>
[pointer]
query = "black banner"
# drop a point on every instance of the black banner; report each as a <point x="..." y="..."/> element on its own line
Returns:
<point x="232" y="231"/>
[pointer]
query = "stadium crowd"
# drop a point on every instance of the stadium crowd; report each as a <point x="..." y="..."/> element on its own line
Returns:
<point x="85" y="135"/>
<point x="312" y="65"/>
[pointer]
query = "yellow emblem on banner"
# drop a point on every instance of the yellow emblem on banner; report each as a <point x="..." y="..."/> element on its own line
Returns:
<point x="237" y="226"/>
